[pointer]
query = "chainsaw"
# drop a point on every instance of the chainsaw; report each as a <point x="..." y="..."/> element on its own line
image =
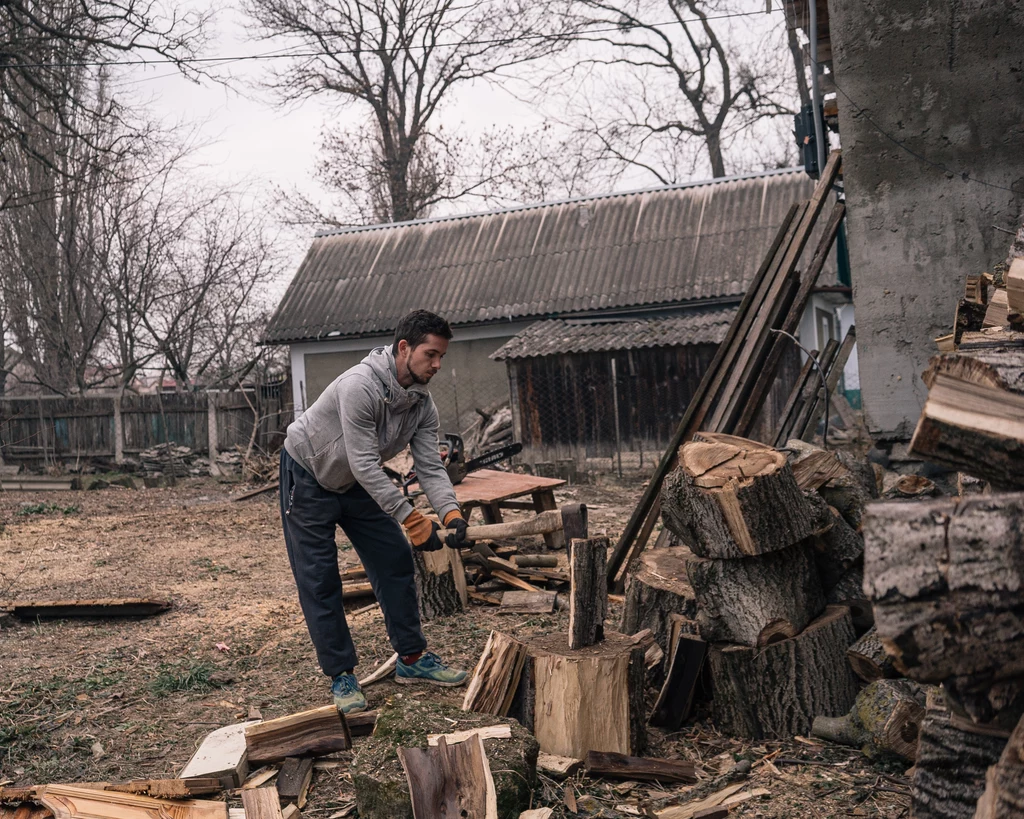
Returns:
<point x="454" y="459"/>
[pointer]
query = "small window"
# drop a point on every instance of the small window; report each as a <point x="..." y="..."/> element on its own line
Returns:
<point x="825" y="323"/>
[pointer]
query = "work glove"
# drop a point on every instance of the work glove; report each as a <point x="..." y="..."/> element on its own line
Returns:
<point x="422" y="532"/>
<point x="457" y="539"/>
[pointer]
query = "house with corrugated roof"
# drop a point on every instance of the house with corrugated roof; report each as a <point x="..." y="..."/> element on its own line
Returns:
<point x="656" y="269"/>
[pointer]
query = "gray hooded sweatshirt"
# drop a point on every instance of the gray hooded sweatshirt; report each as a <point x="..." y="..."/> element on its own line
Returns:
<point x="364" y="418"/>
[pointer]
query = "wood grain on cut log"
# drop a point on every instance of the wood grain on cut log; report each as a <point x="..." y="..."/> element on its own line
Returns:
<point x="588" y="699"/>
<point x="946" y="579"/>
<point x="450" y="780"/>
<point x="440" y="582"/>
<point x="885" y="719"/>
<point x="752" y="600"/>
<point x="972" y="418"/>
<point x="776" y="691"/>
<point x="496" y="676"/>
<point x="733" y="501"/>
<point x="656" y="587"/>
<point x="1004" y="782"/>
<point x="949" y="776"/>
<point x="315" y="732"/>
<point x="588" y="596"/>
<point x="868" y="658"/>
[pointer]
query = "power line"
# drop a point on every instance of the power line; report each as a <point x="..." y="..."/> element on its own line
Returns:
<point x="276" y="55"/>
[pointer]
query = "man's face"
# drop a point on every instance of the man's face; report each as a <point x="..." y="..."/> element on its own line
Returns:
<point x="423" y="361"/>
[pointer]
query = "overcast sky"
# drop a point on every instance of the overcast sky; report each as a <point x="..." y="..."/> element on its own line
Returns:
<point x="246" y="139"/>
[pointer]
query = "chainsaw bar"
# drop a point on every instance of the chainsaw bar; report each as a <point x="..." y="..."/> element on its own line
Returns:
<point x="491" y="458"/>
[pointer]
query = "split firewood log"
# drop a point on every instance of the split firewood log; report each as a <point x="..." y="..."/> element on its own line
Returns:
<point x="868" y="658"/>
<point x="734" y="501"/>
<point x="1004" y="782"/>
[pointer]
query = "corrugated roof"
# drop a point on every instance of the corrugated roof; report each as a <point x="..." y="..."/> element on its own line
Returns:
<point x="557" y="336"/>
<point x="655" y="247"/>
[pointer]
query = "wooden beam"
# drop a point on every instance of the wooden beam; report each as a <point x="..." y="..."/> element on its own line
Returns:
<point x="639" y="769"/>
<point x="102" y="607"/>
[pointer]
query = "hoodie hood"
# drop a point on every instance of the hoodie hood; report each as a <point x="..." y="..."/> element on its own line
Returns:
<point x="382" y="361"/>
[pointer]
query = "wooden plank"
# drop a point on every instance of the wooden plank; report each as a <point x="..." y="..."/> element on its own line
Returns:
<point x="524" y="602"/>
<point x="502" y="731"/>
<point x="806" y="401"/>
<point x="262" y="803"/>
<point x="792" y="405"/>
<point x="640" y="524"/>
<point x="832" y="376"/>
<point x="491" y="486"/>
<point x="512" y="580"/>
<point x="222" y="755"/>
<point x="767" y="374"/>
<point x="293" y="780"/>
<point x="170" y="788"/>
<point x="101" y="607"/>
<point x="77" y="802"/>
<point x="315" y="732"/>
<point x="646" y="769"/>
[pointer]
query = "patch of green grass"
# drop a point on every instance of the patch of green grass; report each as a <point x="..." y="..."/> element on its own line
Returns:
<point x="182" y="677"/>
<point x="48" y="508"/>
<point x="210" y="569"/>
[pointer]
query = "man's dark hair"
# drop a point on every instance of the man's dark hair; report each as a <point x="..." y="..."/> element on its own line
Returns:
<point x="417" y="325"/>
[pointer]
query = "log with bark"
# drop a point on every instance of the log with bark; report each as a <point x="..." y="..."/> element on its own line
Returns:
<point x="1004" y="782"/>
<point x="868" y="658"/>
<point x="656" y="587"/>
<point x="836" y="549"/>
<point x="754" y="601"/>
<point x="776" y="691"/>
<point x="849" y="592"/>
<point x="440" y="583"/>
<point x="972" y="420"/>
<point x="945" y="577"/>
<point x="587" y="699"/>
<point x="588" y="596"/>
<point x="735" y="501"/>
<point x="998" y="705"/>
<point x="949" y="776"/>
<point x="885" y="719"/>
<point x="308" y="733"/>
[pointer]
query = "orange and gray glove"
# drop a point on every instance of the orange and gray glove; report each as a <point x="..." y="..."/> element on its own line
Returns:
<point x="457" y="539"/>
<point x="422" y="532"/>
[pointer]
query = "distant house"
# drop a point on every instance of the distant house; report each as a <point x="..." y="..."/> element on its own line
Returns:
<point x="671" y="261"/>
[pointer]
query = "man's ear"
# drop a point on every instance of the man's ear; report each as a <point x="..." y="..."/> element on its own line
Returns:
<point x="402" y="348"/>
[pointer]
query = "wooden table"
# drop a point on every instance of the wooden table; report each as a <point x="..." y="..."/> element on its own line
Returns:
<point x="492" y="491"/>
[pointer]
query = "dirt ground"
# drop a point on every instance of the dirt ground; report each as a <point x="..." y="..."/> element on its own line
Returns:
<point x="112" y="700"/>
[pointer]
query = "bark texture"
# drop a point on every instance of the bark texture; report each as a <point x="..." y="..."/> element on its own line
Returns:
<point x="946" y="578"/>
<point x="868" y="658"/>
<point x="776" y="691"/>
<point x="885" y="720"/>
<point x="849" y="592"/>
<point x="588" y="595"/>
<point x="738" y="599"/>
<point x="1004" y="782"/>
<point x="656" y="588"/>
<point x="436" y="584"/>
<point x="837" y="550"/>
<point x="734" y="502"/>
<point x="949" y="776"/>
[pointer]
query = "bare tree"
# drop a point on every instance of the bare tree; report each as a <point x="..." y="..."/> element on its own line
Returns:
<point x="679" y="80"/>
<point x="397" y="62"/>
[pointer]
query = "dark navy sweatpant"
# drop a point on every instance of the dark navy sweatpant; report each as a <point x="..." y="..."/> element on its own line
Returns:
<point x="310" y="515"/>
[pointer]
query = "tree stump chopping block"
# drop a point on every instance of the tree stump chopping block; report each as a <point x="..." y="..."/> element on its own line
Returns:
<point x="656" y="588"/>
<point x="440" y="582"/>
<point x="777" y="691"/>
<point x="946" y="579"/>
<point x="754" y="601"/>
<point x="586" y="699"/>
<point x="728" y="501"/>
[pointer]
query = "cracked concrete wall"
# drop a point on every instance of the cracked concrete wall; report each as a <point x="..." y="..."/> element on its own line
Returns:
<point x="945" y="80"/>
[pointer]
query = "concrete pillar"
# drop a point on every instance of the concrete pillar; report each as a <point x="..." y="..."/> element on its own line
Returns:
<point x="931" y="101"/>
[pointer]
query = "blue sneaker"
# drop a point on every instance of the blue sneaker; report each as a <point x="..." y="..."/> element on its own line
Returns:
<point x="429" y="669"/>
<point x="348" y="696"/>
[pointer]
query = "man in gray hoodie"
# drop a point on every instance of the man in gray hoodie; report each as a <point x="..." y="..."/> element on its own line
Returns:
<point x="331" y="476"/>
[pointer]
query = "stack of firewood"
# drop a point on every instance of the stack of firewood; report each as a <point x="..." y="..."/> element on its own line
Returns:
<point x="947" y="576"/>
<point x="767" y="557"/>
